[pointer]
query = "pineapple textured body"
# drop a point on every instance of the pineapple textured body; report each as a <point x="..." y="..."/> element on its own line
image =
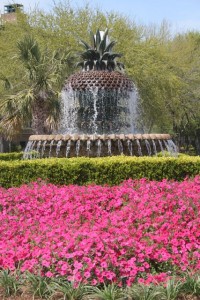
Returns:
<point x="109" y="80"/>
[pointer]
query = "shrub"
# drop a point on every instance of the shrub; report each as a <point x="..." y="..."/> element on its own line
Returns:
<point x="11" y="156"/>
<point x="106" y="170"/>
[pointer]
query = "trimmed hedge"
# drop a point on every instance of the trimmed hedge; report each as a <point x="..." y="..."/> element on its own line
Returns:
<point x="11" y="156"/>
<point x="107" y="170"/>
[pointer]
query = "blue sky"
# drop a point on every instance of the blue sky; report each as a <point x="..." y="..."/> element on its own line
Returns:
<point x="182" y="15"/>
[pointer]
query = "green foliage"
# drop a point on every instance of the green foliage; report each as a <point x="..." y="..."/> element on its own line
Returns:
<point x="185" y="50"/>
<point x="11" y="156"/>
<point x="171" y="291"/>
<point x="107" y="170"/>
<point x="107" y="292"/>
<point x="185" y="286"/>
<point x="10" y="284"/>
<point x="143" y="292"/>
<point x="69" y="290"/>
<point x="38" y="97"/>
<point x="9" y="66"/>
<point x="191" y="285"/>
<point x="39" y="286"/>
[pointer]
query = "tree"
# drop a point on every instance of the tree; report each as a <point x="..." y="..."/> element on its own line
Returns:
<point x="35" y="98"/>
<point x="185" y="51"/>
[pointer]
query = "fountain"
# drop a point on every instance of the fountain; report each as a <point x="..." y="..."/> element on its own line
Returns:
<point x="99" y="111"/>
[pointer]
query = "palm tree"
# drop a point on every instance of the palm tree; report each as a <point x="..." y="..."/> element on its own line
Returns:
<point x="38" y="99"/>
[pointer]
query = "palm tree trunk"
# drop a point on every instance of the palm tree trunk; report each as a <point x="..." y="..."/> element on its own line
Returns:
<point x="39" y="116"/>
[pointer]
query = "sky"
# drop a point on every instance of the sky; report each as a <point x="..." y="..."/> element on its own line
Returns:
<point x="182" y="15"/>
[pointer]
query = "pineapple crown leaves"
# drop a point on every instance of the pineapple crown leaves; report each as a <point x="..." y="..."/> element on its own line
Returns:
<point x="98" y="55"/>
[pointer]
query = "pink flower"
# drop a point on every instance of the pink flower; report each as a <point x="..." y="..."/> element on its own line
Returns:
<point x="104" y="264"/>
<point x="101" y="233"/>
<point x="87" y="274"/>
<point x="77" y="265"/>
<point x="49" y="274"/>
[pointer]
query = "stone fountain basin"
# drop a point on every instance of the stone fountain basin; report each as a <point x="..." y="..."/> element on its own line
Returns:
<point x="94" y="145"/>
<point x="93" y="137"/>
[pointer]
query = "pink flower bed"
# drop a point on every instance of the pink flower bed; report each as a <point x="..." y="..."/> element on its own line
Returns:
<point x="101" y="234"/>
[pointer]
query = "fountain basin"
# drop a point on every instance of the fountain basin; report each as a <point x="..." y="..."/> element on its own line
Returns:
<point x="94" y="145"/>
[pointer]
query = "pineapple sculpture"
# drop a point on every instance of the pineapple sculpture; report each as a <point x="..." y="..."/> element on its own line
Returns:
<point x="97" y="99"/>
<point x="99" y="109"/>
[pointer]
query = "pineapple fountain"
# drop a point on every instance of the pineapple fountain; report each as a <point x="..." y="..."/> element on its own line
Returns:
<point x="99" y="111"/>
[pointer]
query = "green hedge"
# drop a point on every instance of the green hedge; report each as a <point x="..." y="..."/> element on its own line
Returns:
<point x="109" y="170"/>
<point x="11" y="156"/>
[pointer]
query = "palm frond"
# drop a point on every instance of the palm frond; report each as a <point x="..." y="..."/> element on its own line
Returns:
<point x="18" y="104"/>
<point x="7" y="82"/>
<point x="53" y="108"/>
<point x="28" y="49"/>
<point x="11" y="126"/>
<point x="43" y="73"/>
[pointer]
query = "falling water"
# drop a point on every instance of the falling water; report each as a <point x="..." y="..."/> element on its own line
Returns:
<point x="120" y="147"/>
<point x="109" y="147"/>
<point x="169" y="149"/>
<point x="130" y="147"/>
<point x="31" y="150"/>
<point x="68" y="148"/>
<point x="148" y="146"/>
<point x="37" y="154"/>
<point x="104" y="145"/>
<point x="139" y="147"/>
<point x="133" y="108"/>
<point x="28" y="149"/>
<point x="50" y="148"/>
<point x="161" y="147"/>
<point x="154" y="147"/>
<point x="173" y="148"/>
<point x="98" y="111"/>
<point x="88" y="149"/>
<point x="43" y="148"/>
<point x="69" y="111"/>
<point x="95" y="114"/>
<point x="78" y="144"/>
<point x="58" y="148"/>
<point x="99" y="145"/>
